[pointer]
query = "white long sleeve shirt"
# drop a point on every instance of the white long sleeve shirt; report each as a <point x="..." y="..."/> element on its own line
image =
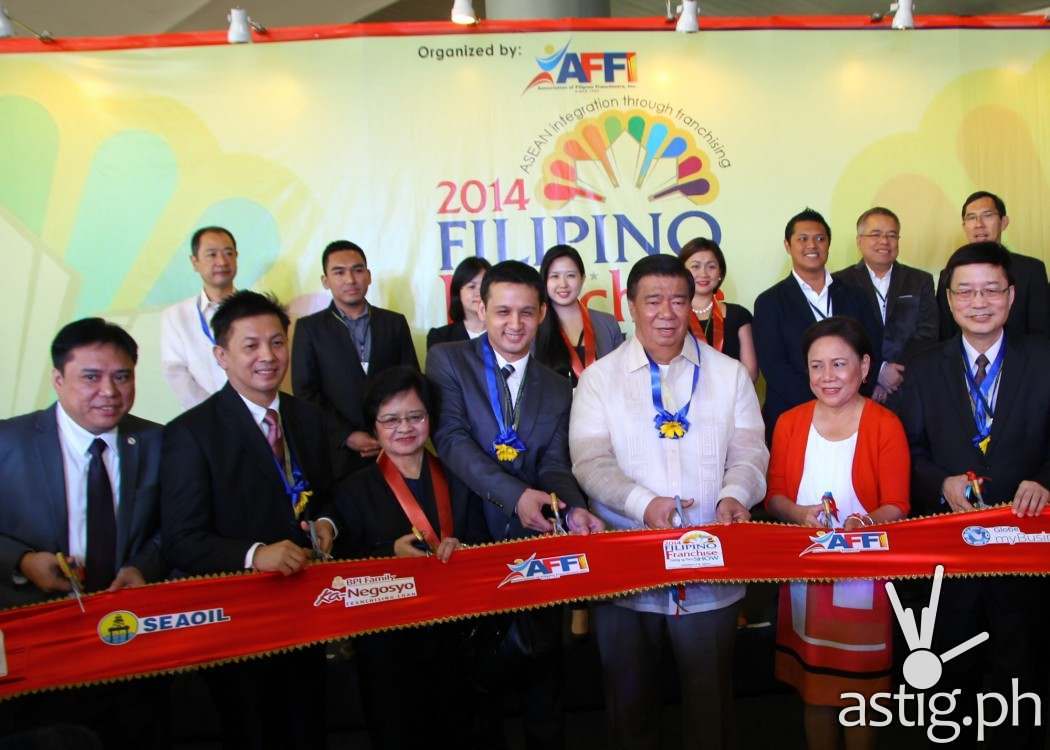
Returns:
<point x="186" y="356"/>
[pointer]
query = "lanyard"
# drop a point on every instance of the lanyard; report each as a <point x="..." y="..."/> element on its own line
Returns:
<point x="410" y="505"/>
<point x="668" y="425"/>
<point x="589" y="345"/>
<point x="298" y="490"/>
<point x="820" y="313"/>
<point x="981" y="395"/>
<point x="204" y="325"/>
<point x="507" y="444"/>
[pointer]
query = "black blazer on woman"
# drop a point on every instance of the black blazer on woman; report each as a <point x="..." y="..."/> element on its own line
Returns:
<point x="445" y="334"/>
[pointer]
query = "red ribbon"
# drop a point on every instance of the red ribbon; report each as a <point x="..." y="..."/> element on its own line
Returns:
<point x="410" y="505"/>
<point x="192" y="623"/>
<point x="590" y="349"/>
<point x="718" y="324"/>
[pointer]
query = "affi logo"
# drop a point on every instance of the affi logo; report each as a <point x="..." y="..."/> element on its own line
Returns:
<point x="545" y="568"/>
<point x="584" y="68"/>
<point x="120" y="627"/>
<point x="848" y="541"/>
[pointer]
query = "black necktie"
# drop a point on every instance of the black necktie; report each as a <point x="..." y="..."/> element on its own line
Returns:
<point x="101" y="560"/>
<point x="982" y="370"/>
<point x="505" y="398"/>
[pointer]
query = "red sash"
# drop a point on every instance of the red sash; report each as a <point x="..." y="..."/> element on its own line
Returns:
<point x="589" y="347"/>
<point x="718" y="324"/>
<point x="410" y="505"/>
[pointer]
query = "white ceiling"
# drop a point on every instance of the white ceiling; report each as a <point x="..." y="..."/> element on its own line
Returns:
<point x="119" y="17"/>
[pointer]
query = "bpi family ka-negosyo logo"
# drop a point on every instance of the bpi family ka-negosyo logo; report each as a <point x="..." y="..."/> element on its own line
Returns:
<point x="923" y="669"/>
<point x="122" y="626"/>
<point x="562" y="68"/>
<point x="545" y="568"/>
<point x="694" y="549"/>
<point x="848" y="541"/>
<point x="355" y="592"/>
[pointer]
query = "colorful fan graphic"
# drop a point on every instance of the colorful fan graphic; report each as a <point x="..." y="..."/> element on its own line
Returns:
<point x="635" y="149"/>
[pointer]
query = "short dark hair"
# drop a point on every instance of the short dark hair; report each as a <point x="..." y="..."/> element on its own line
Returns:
<point x="704" y="245"/>
<point x="806" y="214"/>
<point x="658" y="265"/>
<point x="988" y="252"/>
<point x="467" y="269"/>
<point x="1000" y="206"/>
<point x="337" y="247"/>
<point x="395" y="380"/>
<point x="877" y="211"/>
<point x="840" y="326"/>
<point x="195" y="240"/>
<point x="85" y="332"/>
<point x="245" y="304"/>
<point x="513" y="272"/>
<point x="560" y="251"/>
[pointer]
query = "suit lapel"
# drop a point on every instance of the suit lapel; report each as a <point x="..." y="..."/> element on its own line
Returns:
<point x="341" y="338"/>
<point x="530" y="397"/>
<point x="896" y="282"/>
<point x="250" y="436"/>
<point x="49" y="459"/>
<point x="955" y="388"/>
<point x="861" y="270"/>
<point x="1011" y="382"/>
<point x="128" y="448"/>
<point x="797" y="299"/>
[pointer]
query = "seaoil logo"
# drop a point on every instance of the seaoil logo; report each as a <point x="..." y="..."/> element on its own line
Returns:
<point x="584" y="69"/>
<point x="120" y="627"/>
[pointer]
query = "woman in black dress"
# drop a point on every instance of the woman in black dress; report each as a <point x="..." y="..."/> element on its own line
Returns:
<point x="465" y="296"/>
<point x="723" y="325"/>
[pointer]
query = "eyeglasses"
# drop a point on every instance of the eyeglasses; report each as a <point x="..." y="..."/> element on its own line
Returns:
<point x="391" y="421"/>
<point x="983" y="216"/>
<point x="990" y="293"/>
<point x="877" y="235"/>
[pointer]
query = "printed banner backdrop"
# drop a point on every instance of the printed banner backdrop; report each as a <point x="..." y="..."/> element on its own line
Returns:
<point x="425" y="149"/>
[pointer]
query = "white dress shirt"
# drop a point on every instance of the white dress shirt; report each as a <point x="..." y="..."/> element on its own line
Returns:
<point x="76" y="442"/>
<point x="622" y="464"/>
<point x="186" y="355"/>
<point x="514" y="381"/>
<point x="882" y="288"/>
<point x="991" y="354"/>
<point x="819" y="304"/>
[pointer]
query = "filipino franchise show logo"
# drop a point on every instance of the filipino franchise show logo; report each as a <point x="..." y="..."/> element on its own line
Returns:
<point x="545" y="568"/>
<point x="694" y="549"/>
<point x="561" y="68"/>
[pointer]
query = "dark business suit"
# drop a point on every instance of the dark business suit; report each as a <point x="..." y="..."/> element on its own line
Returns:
<point x="33" y="513"/>
<point x="221" y="493"/>
<point x="447" y="334"/>
<point x="550" y="348"/>
<point x="938" y="419"/>
<point x="782" y="315"/>
<point x="1030" y="314"/>
<point x="465" y="428"/>
<point x="326" y="370"/>
<point x="33" y="517"/>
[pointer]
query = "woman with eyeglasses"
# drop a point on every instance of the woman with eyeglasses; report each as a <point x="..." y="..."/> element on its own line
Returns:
<point x="400" y="506"/>
<point x="571" y="336"/>
<point x="464" y="303"/>
<point x="723" y="325"/>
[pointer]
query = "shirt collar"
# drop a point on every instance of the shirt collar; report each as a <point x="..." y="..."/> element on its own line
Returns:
<point x="884" y="281"/>
<point x="79" y="439"/>
<point x="258" y="412"/>
<point x="346" y="318"/>
<point x="637" y="359"/>
<point x="203" y="303"/>
<point x="807" y="288"/>
<point x="991" y="354"/>
<point x="519" y="365"/>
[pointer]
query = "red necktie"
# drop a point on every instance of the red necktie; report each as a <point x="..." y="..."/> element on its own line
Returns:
<point x="274" y="436"/>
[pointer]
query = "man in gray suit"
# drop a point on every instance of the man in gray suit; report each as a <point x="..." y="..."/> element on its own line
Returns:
<point x="80" y="478"/>
<point x="901" y="296"/>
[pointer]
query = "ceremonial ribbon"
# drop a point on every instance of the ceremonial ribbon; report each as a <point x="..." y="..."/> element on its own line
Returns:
<point x="410" y="505"/>
<point x="298" y="490"/>
<point x="981" y="395"/>
<point x="204" y="325"/>
<point x="179" y="625"/>
<point x="668" y="425"/>
<point x="507" y="444"/>
<point x="589" y="347"/>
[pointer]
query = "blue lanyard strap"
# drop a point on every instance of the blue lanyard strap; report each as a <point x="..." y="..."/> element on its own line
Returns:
<point x="668" y="425"/>
<point x="507" y="444"/>
<point x="298" y="490"/>
<point x="204" y="325"/>
<point x="981" y="395"/>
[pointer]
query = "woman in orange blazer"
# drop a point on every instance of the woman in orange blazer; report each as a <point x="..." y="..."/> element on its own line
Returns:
<point x="834" y="638"/>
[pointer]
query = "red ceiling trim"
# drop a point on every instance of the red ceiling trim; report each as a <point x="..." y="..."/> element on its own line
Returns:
<point x="446" y="28"/>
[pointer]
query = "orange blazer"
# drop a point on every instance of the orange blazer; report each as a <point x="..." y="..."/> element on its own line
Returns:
<point x="881" y="464"/>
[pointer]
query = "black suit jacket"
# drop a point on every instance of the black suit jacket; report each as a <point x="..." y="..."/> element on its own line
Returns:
<point x="326" y="371"/>
<point x="938" y="419"/>
<point x="370" y="519"/>
<point x="911" y="309"/>
<point x="447" y="334"/>
<point x="33" y="512"/>
<point x="465" y="428"/>
<point x="1031" y="308"/>
<point x="221" y="488"/>
<point x="782" y="315"/>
